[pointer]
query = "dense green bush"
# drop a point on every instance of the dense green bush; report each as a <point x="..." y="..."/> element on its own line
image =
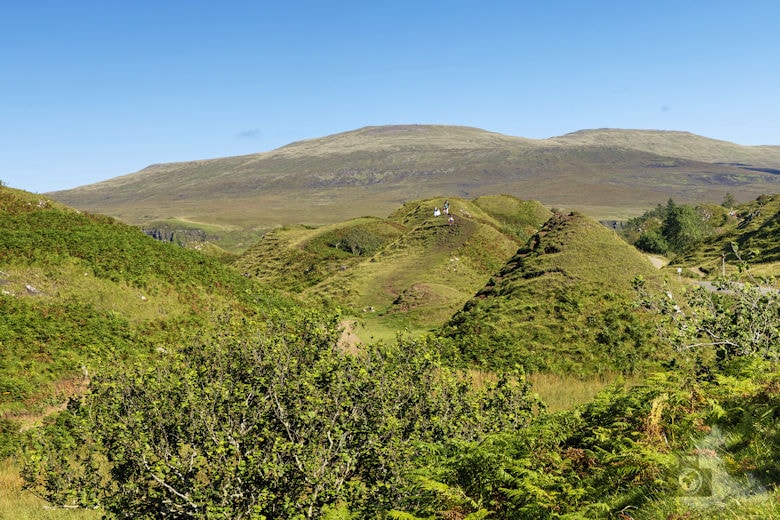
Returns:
<point x="269" y="419"/>
<point x="670" y="228"/>
<point x="9" y="437"/>
<point x="652" y="241"/>
<point x="357" y="241"/>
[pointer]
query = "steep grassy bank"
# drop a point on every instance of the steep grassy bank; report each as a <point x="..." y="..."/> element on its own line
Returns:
<point x="561" y="304"/>
<point x="81" y="289"/>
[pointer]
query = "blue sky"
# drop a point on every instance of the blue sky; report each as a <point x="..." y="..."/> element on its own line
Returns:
<point x="90" y="90"/>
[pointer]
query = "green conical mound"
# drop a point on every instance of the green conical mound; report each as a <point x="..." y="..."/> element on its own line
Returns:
<point x="562" y="303"/>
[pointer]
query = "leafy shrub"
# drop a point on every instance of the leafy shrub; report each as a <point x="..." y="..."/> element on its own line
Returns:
<point x="9" y="437"/>
<point x="670" y="228"/>
<point x="268" y="418"/>
<point x="652" y="242"/>
<point x="358" y="241"/>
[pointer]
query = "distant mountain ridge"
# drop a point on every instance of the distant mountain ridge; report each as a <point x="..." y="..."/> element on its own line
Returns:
<point x="677" y="144"/>
<point x="604" y="173"/>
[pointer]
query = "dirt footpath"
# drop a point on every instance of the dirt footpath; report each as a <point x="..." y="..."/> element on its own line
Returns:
<point x="349" y="340"/>
<point x="657" y="261"/>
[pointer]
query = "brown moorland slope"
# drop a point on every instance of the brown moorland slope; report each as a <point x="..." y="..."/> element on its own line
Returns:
<point x="370" y="171"/>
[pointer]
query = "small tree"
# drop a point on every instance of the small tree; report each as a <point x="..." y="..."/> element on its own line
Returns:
<point x="739" y="318"/>
<point x="683" y="228"/>
<point x="652" y="242"/>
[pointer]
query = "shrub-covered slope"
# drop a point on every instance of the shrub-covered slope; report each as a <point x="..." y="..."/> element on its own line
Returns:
<point x="562" y="303"/>
<point x="755" y="229"/>
<point x="79" y="289"/>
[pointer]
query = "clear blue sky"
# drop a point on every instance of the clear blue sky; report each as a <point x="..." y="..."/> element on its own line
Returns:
<point x="90" y="90"/>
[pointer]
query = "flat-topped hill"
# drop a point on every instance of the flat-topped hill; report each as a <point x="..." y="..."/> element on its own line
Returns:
<point x="370" y="171"/>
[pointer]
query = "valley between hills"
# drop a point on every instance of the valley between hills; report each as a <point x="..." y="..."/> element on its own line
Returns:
<point x="510" y="357"/>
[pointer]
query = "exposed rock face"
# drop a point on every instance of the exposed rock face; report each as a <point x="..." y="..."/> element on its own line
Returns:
<point x="181" y="237"/>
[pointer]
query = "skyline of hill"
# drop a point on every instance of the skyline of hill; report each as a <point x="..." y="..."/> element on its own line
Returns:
<point x="606" y="174"/>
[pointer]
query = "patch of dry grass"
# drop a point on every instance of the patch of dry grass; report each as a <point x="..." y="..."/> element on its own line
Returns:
<point x="560" y="392"/>
<point x="18" y="504"/>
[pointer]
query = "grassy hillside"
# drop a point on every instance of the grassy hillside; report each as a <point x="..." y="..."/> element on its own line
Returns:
<point x="684" y="145"/>
<point x="370" y="171"/>
<point x="80" y="289"/>
<point x="561" y="304"/>
<point x="294" y="258"/>
<point x="262" y="414"/>
<point x="754" y="227"/>
<point x="409" y="271"/>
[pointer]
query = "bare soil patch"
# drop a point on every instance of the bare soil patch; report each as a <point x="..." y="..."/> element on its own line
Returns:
<point x="349" y="341"/>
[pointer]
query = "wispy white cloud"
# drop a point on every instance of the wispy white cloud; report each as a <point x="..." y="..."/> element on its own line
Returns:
<point x="250" y="134"/>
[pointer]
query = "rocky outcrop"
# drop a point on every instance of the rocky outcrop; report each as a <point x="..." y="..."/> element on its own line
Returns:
<point x="180" y="236"/>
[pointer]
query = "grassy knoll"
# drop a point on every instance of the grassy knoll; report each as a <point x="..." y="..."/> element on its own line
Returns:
<point x="294" y="258"/>
<point x="561" y="304"/>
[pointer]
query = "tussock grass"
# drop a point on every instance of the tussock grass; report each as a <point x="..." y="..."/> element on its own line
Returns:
<point x="562" y="392"/>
